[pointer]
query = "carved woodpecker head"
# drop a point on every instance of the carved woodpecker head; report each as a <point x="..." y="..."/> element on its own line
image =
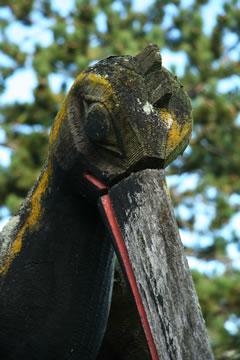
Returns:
<point x="124" y="114"/>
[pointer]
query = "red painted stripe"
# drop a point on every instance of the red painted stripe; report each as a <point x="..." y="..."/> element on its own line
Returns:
<point x="100" y="185"/>
<point x="106" y="201"/>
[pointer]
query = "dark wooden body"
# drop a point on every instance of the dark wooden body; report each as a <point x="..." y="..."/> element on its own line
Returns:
<point x="55" y="297"/>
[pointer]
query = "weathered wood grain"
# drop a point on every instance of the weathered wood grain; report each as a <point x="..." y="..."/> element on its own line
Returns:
<point x="144" y="213"/>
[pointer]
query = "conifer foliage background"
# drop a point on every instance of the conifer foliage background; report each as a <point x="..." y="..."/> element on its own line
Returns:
<point x="208" y="209"/>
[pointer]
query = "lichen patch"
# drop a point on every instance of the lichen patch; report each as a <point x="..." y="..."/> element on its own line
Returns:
<point x="32" y="221"/>
<point x="167" y="118"/>
<point x="148" y="108"/>
<point x="176" y="135"/>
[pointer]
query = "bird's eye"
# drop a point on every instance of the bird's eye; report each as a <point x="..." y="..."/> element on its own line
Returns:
<point x="97" y="122"/>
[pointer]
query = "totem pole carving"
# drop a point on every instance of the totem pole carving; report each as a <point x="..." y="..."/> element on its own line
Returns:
<point x="123" y="119"/>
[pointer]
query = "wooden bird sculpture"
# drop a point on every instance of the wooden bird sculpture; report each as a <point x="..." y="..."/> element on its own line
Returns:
<point x="122" y="115"/>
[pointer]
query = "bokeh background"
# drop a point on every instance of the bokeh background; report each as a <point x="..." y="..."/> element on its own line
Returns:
<point x="45" y="44"/>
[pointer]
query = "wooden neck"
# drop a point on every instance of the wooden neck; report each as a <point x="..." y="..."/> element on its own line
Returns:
<point x="56" y="274"/>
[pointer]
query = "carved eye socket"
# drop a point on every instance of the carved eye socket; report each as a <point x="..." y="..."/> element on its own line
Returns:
<point x="97" y="124"/>
<point x="163" y="101"/>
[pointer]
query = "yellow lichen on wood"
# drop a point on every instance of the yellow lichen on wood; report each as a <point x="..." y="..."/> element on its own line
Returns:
<point x="90" y="80"/>
<point x="32" y="220"/>
<point x="176" y="134"/>
<point x="97" y="86"/>
<point x="36" y="207"/>
<point x="168" y="189"/>
<point x="167" y="118"/>
<point x="62" y="113"/>
<point x="95" y="80"/>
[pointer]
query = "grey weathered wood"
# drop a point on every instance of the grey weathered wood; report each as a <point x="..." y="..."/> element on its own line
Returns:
<point x="144" y="212"/>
